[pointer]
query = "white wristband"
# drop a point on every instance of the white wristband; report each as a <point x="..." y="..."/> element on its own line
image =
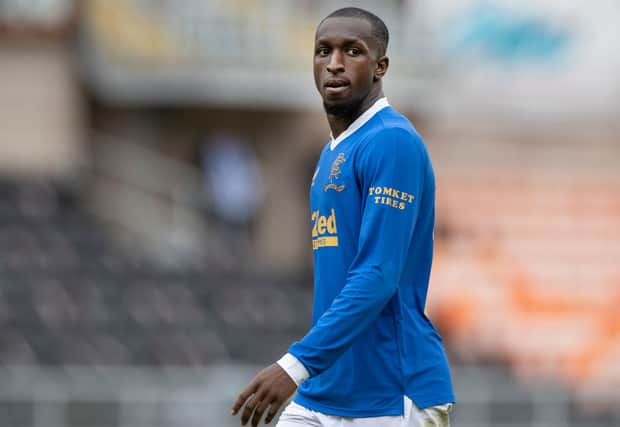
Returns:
<point x="294" y="368"/>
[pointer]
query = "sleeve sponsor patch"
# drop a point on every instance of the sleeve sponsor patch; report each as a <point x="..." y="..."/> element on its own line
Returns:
<point x="392" y="197"/>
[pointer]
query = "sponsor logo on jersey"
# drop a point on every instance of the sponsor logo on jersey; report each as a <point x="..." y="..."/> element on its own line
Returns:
<point x="334" y="173"/>
<point x="392" y="197"/>
<point x="324" y="230"/>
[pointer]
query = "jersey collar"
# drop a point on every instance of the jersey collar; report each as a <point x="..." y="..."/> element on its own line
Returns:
<point x="379" y="105"/>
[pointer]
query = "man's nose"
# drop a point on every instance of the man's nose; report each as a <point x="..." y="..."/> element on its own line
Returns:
<point x="336" y="63"/>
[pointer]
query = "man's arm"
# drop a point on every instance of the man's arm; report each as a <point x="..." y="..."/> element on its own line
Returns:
<point x="391" y="174"/>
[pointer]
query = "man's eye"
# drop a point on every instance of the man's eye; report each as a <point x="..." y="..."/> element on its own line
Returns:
<point x="353" y="51"/>
<point x="322" y="51"/>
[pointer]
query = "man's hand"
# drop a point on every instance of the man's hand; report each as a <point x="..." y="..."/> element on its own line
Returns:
<point x="272" y="386"/>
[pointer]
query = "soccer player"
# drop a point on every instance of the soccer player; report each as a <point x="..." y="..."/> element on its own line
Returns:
<point x="372" y="357"/>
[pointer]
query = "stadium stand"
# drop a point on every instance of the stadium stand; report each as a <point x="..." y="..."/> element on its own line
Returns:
<point x="76" y="305"/>
<point x="537" y="256"/>
<point x="72" y="297"/>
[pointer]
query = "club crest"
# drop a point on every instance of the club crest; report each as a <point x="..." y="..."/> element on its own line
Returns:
<point x="333" y="174"/>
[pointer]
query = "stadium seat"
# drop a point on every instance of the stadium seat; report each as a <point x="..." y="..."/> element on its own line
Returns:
<point x="68" y="295"/>
<point x="527" y="272"/>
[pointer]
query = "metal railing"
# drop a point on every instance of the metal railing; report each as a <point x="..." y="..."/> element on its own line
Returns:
<point x="272" y="32"/>
<point x="192" y="397"/>
<point x="231" y="53"/>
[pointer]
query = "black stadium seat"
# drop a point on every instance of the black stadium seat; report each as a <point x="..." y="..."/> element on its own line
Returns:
<point x="68" y="295"/>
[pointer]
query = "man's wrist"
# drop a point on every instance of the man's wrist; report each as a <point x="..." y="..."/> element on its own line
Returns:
<point x="294" y="368"/>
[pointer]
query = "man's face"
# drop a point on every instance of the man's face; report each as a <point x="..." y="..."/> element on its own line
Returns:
<point x="345" y="63"/>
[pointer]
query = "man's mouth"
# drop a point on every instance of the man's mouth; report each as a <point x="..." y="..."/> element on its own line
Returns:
<point x="336" y="86"/>
<point x="336" y="83"/>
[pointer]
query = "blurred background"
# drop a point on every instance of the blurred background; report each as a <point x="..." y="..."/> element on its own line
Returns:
<point x="155" y="157"/>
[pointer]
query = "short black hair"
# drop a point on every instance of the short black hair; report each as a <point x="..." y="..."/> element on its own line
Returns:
<point x="379" y="30"/>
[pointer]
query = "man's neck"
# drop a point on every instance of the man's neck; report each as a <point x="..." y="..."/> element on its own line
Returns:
<point x="339" y="124"/>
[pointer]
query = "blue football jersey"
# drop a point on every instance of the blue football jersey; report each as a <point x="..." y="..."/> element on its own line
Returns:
<point x="372" y="215"/>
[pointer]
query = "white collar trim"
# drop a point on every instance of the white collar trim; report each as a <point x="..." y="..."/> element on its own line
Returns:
<point x="379" y="105"/>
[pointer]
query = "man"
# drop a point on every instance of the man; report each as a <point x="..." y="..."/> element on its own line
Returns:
<point x="372" y="357"/>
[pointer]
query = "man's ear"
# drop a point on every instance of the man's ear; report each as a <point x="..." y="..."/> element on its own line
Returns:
<point x="382" y="66"/>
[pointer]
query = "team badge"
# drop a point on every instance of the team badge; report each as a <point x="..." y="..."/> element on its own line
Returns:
<point x="333" y="174"/>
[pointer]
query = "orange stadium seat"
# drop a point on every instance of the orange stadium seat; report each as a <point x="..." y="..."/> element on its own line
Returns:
<point x="527" y="272"/>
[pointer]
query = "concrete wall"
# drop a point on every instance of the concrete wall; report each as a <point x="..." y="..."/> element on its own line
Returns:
<point x="41" y="122"/>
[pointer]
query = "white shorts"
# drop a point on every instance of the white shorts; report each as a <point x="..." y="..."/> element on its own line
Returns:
<point x="295" y="415"/>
